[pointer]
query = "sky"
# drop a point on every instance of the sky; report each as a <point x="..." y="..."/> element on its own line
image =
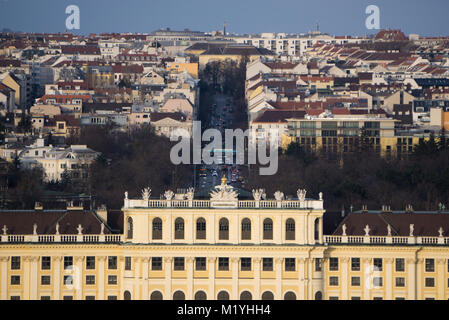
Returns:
<point x="336" y="17"/>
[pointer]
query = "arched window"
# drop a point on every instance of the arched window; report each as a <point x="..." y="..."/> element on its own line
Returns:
<point x="318" y="295"/>
<point x="156" y="295"/>
<point x="179" y="295"/>
<point x="289" y="296"/>
<point x="157" y="229"/>
<point x="223" y="295"/>
<point x="317" y="229"/>
<point x="127" y="295"/>
<point x="200" y="229"/>
<point x="246" y="229"/>
<point x="200" y="295"/>
<point x="267" y="295"/>
<point x="179" y="229"/>
<point x="130" y="228"/>
<point x="290" y="229"/>
<point x="246" y="295"/>
<point x="223" y="229"/>
<point x="268" y="229"/>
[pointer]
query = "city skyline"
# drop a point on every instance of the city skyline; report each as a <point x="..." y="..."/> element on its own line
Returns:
<point x="426" y="19"/>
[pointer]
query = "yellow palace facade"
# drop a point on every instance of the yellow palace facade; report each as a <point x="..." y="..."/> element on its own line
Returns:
<point x="222" y="248"/>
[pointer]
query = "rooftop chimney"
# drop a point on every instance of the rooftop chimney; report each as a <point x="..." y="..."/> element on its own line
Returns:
<point x="38" y="206"/>
<point x="102" y="212"/>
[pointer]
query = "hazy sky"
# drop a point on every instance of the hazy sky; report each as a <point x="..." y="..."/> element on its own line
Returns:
<point x="337" y="17"/>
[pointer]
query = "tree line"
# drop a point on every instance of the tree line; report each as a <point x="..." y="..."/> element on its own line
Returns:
<point x="365" y="178"/>
<point x="130" y="161"/>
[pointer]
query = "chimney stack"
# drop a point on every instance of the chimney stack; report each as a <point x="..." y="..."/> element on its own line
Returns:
<point x="102" y="212"/>
<point x="38" y="206"/>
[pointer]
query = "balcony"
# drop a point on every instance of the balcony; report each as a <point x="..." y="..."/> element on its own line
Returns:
<point x="78" y="238"/>
<point x="386" y="240"/>
<point x="242" y="204"/>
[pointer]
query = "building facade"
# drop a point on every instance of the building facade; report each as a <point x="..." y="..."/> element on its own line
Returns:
<point x="220" y="249"/>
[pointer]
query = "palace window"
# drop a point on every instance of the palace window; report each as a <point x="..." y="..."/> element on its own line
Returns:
<point x="400" y="282"/>
<point x="378" y="264"/>
<point x="90" y="279"/>
<point x="112" y="279"/>
<point x="179" y="264"/>
<point x="68" y="262"/>
<point x="355" y="281"/>
<point x="290" y="229"/>
<point x="223" y="264"/>
<point x="246" y="229"/>
<point x="318" y="265"/>
<point x="378" y="281"/>
<point x="45" y="280"/>
<point x="430" y="282"/>
<point x="112" y="262"/>
<point x="400" y="265"/>
<point x="156" y="263"/>
<point x="15" y="280"/>
<point x="127" y="263"/>
<point x="268" y="229"/>
<point x="355" y="264"/>
<point x="157" y="229"/>
<point x="15" y="263"/>
<point x="317" y="229"/>
<point x="200" y="264"/>
<point x="46" y="263"/>
<point x="290" y="264"/>
<point x="245" y="264"/>
<point x="90" y="263"/>
<point x="68" y="280"/>
<point x="333" y="264"/>
<point x="223" y="232"/>
<point x="430" y="265"/>
<point x="179" y="229"/>
<point x="267" y="264"/>
<point x="200" y="229"/>
<point x="333" y="281"/>
<point x="130" y="228"/>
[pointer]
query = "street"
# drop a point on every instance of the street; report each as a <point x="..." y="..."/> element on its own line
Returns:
<point x="221" y="117"/>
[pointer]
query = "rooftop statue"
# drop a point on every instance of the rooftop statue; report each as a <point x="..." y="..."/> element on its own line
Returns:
<point x="279" y="196"/>
<point x="146" y="193"/>
<point x="169" y="195"/>
<point x="190" y="193"/>
<point x="302" y="194"/>
<point x="257" y="194"/>
<point x="224" y="192"/>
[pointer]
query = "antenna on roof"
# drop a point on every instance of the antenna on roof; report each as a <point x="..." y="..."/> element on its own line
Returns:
<point x="317" y="27"/>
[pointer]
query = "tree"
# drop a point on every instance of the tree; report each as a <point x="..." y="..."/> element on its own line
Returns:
<point x="25" y="123"/>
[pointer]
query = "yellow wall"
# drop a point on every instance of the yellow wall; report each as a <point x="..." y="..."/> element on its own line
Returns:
<point x="446" y="120"/>
<point x="191" y="68"/>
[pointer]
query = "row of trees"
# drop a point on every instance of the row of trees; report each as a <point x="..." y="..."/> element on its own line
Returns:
<point x="131" y="161"/>
<point x="365" y="178"/>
